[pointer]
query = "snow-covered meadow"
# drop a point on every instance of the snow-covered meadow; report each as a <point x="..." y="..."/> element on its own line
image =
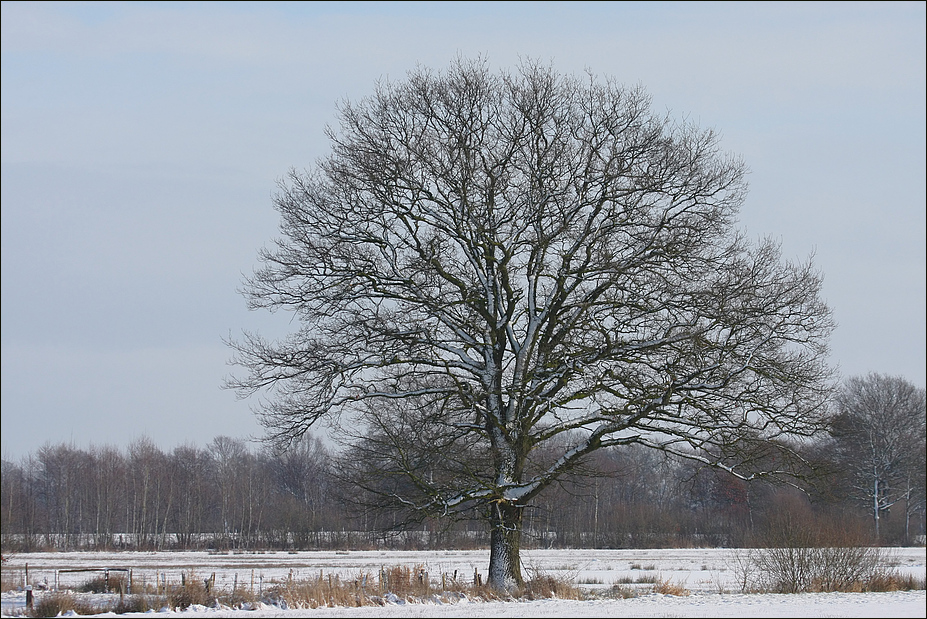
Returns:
<point x="709" y="577"/>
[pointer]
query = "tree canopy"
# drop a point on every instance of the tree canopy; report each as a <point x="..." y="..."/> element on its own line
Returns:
<point x="496" y="274"/>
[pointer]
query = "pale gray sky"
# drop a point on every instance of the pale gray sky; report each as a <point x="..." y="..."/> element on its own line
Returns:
<point x="141" y="143"/>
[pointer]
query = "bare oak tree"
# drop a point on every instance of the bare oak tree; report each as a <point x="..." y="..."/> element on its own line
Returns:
<point x="488" y="264"/>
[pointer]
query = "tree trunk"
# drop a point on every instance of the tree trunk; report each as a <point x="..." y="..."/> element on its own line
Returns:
<point x="505" y="546"/>
<point x="875" y="506"/>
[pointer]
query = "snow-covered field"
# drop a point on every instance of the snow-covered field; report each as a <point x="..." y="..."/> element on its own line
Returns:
<point x="708" y="575"/>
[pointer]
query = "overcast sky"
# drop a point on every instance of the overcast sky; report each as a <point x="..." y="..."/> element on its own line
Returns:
<point x="141" y="144"/>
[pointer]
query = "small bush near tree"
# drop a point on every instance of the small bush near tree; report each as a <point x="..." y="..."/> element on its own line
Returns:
<point x="798" y="554"/>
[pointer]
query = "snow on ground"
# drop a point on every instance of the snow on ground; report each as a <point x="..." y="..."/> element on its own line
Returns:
<point x="709" y="575"/>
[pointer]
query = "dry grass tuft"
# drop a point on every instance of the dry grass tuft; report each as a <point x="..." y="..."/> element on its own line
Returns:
<point x="622" y="592"/>
<point x="669" y="588"/>
<point x="363" y="589"/>
<point x="192" y="592"/>
<point x="884" y="582"/>
<point x="58" y="604"/>
<point x="102" y="584"/>
<point x="138" y="604"/>
<point x="542" y="586"/>
<point x="408" y="584"/>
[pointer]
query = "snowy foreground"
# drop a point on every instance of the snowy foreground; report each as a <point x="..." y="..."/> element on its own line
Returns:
<point x="708" y="575"/>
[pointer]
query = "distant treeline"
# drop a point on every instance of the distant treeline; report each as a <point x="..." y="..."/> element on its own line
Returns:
<point x="231" y="495"/>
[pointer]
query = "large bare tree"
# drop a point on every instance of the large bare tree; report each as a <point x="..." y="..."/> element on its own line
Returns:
<point x="489" y="264"/>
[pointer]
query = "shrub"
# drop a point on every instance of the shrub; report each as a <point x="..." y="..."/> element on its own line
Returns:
<point x="801" y="555"/>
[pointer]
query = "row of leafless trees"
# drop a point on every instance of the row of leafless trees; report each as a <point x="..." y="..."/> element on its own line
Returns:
<point x="234" y="495"/>
<point x="150" y="498"/>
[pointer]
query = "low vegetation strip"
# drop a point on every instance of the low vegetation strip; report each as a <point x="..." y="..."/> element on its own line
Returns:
<point x="760" y="570"/>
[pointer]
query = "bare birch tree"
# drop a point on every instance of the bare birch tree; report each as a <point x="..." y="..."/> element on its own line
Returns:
<point x="879" y="431"/>
<point x="487" y="262"/>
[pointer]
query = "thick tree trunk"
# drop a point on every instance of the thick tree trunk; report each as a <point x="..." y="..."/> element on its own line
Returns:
<point x="505" y="546"/>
